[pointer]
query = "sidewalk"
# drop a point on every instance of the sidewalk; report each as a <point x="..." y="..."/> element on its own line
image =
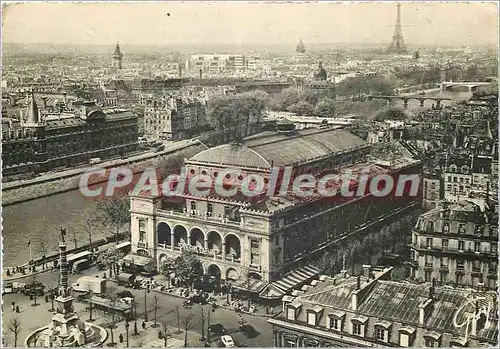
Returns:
<point x="149" y="337"/>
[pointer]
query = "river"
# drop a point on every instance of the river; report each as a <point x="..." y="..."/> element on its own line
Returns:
<point x="41" y="219"/>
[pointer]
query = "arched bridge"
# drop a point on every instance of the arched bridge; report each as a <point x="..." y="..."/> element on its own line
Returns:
<point x="469" y="84"/>
<point x="405" y="99"/>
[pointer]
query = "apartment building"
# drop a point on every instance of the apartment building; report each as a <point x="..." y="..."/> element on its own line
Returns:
<point x="456" y="245"/>
<point x="374" y="311"/>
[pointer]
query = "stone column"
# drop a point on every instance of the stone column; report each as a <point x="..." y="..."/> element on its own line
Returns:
<point x="206" y="244"/>
<point x="223" y="252"/>
<point x="422" y="103"/>
<point x="172" y="240"/>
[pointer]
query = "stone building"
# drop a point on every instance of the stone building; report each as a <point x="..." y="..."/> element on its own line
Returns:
<point x="173" y="118"/>
<point x="374" y="311"/>
<point x="265" y="237"/>
<point x="456" y="245"/>
<point x="71" y="137"/>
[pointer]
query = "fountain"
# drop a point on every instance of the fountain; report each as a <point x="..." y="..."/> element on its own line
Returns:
<point x="66" y="328"/>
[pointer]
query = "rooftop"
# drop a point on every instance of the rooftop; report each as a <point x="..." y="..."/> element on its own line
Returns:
<point x="272" y="149"/>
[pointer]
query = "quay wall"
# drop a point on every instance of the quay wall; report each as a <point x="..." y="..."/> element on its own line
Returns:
<point x="21" y="191"/>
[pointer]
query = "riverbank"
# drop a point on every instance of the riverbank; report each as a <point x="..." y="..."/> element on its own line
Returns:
<point x="64" y="181"/>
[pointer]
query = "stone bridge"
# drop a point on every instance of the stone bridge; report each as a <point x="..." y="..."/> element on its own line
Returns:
<point x="405" y="99"/>
<point x="471" y="85"/>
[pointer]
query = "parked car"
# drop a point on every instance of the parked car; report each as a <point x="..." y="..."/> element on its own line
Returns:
<point x="249" y="331"/>
<point x="217" y="329"/>
<point x="125" y="294"/>
<point x="227" y="341"/>
<point x="198" y="300"/>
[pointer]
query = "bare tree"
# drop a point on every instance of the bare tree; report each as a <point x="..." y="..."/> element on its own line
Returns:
<point x="156" y="305"/>
<point x="178" y="319"/>
<point x="114" y="299"/>
<point x="15" y="328"/>
<point x="186" y="322"/>
<point x="75" y="239"/>
<point x="88" y="223"/>
<point x="165" y="334"/>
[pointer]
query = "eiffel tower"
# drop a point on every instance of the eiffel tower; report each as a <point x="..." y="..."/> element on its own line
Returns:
<point x="398" y="44"/>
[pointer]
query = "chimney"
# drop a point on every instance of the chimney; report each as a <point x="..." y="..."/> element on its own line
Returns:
<point x="358" y="282"/>
<point x="201" y="74"/>
<point x="424" y="311"/>
<point x="44" y="102"/>
<point x="367" y="270"/>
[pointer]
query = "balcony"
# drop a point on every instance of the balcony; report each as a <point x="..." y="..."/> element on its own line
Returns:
<point x="142" y="244"/>
<point x="205" y="253"/>
<point x="193" y="215"/>
<point x="428" y="265"/>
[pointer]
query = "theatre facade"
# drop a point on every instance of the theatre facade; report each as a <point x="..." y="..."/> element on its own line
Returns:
<point x="264" y="243"/>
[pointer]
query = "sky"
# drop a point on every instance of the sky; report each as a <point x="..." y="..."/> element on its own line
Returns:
<point x="160" y="23"/>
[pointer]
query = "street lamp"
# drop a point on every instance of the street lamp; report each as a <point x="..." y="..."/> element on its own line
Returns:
<point x="126" y="330"/>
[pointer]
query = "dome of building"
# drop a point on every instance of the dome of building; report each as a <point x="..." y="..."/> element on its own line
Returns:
<point x="234" y="154"/>
<point x="320" y="73"/>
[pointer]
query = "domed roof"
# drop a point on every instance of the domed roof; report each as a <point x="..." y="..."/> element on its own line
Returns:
<point x="320" y="73"/>
<point x="237" y="155"/>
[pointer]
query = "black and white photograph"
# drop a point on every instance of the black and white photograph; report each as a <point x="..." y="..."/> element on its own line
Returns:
<point x="249" y="174"/>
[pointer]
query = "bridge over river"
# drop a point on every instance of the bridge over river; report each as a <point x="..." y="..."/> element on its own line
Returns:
<point x="406" y="98"/>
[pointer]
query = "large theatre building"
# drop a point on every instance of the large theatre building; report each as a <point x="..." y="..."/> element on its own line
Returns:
<point x="264" y="244"/>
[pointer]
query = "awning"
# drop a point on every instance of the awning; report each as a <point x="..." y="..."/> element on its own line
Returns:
<point x="77" y="256"/>
<point x="251" y="285"/>
<point x="271" y="292"/>
<point x="296" y="278"/>
<point x="123" y="245"/>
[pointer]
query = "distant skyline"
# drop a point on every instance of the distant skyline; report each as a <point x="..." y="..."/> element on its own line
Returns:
<point x="212" y="23"/>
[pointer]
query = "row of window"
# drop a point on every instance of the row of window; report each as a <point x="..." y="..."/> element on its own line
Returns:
<point x="358" y="326"/>
<point x="493" y="246"/>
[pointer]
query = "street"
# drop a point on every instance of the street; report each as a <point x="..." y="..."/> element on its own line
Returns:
<point x="33" y="317"/>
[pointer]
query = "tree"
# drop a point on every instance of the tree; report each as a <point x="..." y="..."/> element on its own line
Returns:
<point x="110" y="258"/>
<point x="187" y="326"/>
<point x="111" y="293"/>
<point x="393" y="113"/>
<point x="165" y="334"/>
<point x="186" y="267"/>
<point x="88" y="223"/>
<point x="325" y="108"/>
<point x="301" y="108"/>
<point x="114" y="212"/>
<point x="15" y="328"/>
<point x="156" y="306"/>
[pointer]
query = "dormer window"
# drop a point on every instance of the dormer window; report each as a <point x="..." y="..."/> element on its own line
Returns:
<point x="406" y="335"/>
<point x="382" y="331"/>
<point x="336" y="320"/>
<point x="358" y="325"/>
<point x="432" y="339"/>
<point x="293" y="311"/>
<point x="313" y="315"/>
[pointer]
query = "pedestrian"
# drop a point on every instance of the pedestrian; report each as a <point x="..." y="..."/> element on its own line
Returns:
<point x="13" y="304"/>
<point x="46" y="298"/>
<point x="8" y="272"/>
<point x="121" y="337"/>
<point x="143" y="325"/>
<point x="17" y="309"/>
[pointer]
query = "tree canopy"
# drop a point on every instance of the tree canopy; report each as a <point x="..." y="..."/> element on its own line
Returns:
<point x="186" y="267"/>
